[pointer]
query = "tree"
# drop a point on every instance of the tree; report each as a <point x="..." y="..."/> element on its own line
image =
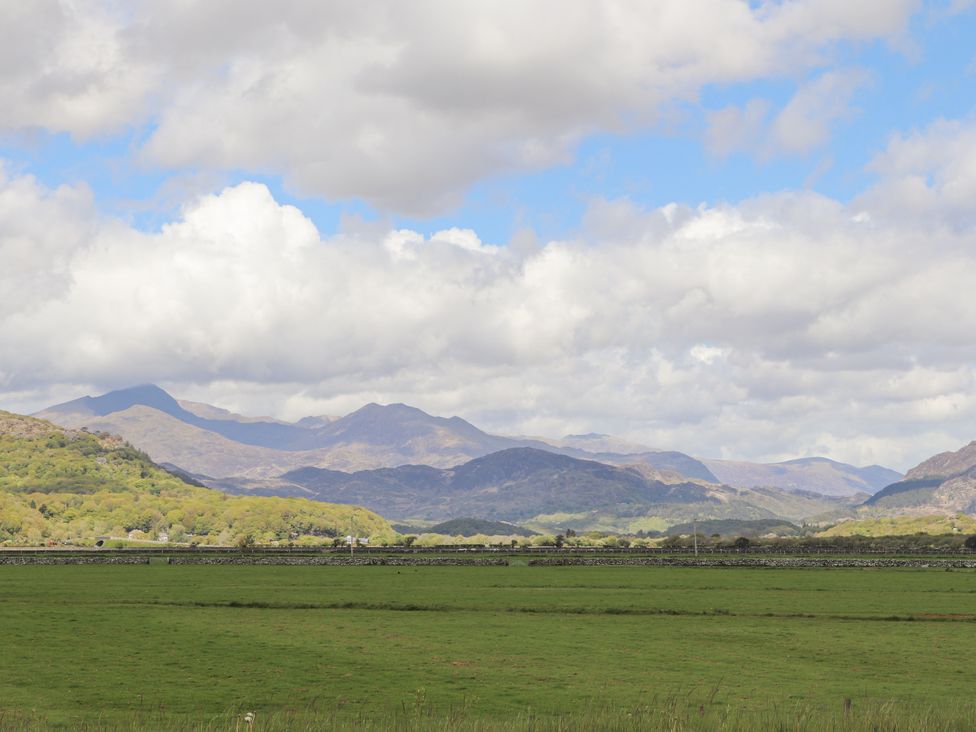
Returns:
<point x="742" y="543"/>
<point x="560" y="540"/>
<point x="970" y="542"/>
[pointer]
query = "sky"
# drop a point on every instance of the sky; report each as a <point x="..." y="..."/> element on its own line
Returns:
<point x="743" y="230"/>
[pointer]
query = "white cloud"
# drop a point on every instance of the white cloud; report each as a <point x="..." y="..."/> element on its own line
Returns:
<point x="66" y="66"/>
<point x="803" y="124"/>
<point x="784" y="324"/>
<point x="401" y="104"/>
<point x="929" y="174"/>
<point x="732" y="128"/>
<point x="41" y="232"/>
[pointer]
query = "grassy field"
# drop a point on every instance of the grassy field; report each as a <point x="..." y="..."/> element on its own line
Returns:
<point x="485" y="647"/>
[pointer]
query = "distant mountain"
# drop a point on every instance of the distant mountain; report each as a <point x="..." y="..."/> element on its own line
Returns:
<point x="201" y="438"/>
<point x="817" y="474"/>
<point x="240" y="453"/>
<point x="530" y="485"/>
<point x="943" y="484"/>
<point x="86" y="411"/>
<point x="595" y="442"/>
<point x="64" y="485"/>
<point x="467" y="527"/>
<point x="662" y="461"/>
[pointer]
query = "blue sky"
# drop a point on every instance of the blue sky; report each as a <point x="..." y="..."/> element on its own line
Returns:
<point x="297" y="208"/>
<point x="910" y="82"/>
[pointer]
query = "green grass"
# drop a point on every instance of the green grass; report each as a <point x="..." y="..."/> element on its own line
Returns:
<point x="156" y="647"/>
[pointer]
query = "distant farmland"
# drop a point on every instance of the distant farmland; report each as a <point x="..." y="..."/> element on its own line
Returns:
<point x="484" y="647"/>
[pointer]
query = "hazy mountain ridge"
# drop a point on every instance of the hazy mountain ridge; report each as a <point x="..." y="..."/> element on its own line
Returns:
<point x="405" y="463"/>
<point x="822" y="475"/>
<point x="201" y="438"/>
<point x="510" y="485"/>
<point x="524" y="484"/>
<point x="81" y="412"/>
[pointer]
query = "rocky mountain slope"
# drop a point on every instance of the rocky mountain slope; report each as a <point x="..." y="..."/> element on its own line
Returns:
<point x="943" y="484"/>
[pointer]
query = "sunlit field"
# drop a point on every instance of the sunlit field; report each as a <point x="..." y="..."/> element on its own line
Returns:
<point x="485" y="647"/>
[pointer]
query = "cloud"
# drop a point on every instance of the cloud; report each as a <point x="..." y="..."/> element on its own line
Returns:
<point x="403" y="105"/>
<point x="929" y="175"/>
<point x="41" y="232"/>
<point x="733" y="128"/>
<point x="783" y="324"/>
<point x="65" y="67"/>
<point x="803" y="124"/>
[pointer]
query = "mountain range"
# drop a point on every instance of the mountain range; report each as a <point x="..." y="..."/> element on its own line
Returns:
<point x="541" y="489"/>
<point x="200" y="438"/>
<point x="204" y="439"/>
<point x="406" y="464"/>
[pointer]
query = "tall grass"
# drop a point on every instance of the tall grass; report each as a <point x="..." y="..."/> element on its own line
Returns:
<point x="670" y="714"/>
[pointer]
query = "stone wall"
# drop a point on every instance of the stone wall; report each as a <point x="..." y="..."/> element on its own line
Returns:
<point x="53" y="558"/>
<point x="333" y="561"/>
<point x="49" y="558"/>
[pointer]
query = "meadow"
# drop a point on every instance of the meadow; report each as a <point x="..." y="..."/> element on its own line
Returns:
<point x="483" y="648"/>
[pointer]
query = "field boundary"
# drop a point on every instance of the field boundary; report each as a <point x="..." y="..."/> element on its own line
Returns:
<point x="758" y="562"/>
<point x="52" y="558"/>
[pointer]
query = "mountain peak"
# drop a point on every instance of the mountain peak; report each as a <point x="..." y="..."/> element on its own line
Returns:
<point x="148" y="395"/>
<point x="398" y="408"/>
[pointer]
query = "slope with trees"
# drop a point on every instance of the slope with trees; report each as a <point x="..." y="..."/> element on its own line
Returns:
<point x="59" y="485"/>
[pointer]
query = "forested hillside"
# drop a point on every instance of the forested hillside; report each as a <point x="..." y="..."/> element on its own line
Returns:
<point x="59" y="485"/>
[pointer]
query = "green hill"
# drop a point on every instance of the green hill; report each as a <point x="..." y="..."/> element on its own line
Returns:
<point x="932" y="524"/>
<point x="60" y="485"/>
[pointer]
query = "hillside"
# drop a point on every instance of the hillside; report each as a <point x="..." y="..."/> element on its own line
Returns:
<point x="932" y="524"/>
<point x="945" y="484"/>
<point x="62" y="485"/>
<point x="733" y="527"/>
<point x="946" y="464"/>
<point x="937" y="489"/>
